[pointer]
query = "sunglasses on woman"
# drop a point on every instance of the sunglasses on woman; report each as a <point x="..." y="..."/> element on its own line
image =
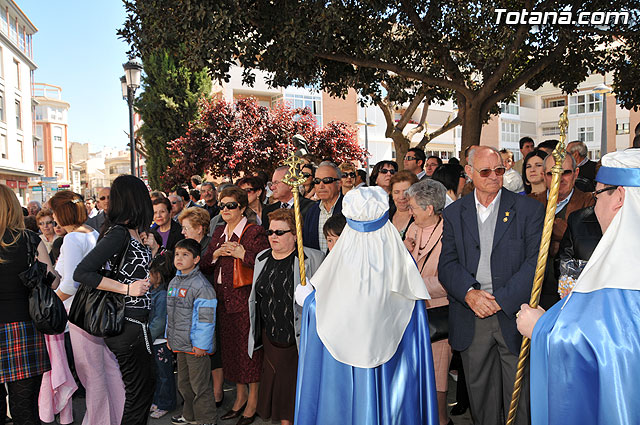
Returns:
<point x="306" y="175"/>
<point x="277" y="232"/>
<point x="229" y="205"/>
<point x="386" y="170"/>
<point x="326" y="180"/>
<point x="486" y="172"/>
<point x="350" y="174"/>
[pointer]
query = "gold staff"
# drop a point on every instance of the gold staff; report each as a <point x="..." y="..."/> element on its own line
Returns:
<point x="294" y="179"/>
<point x="558" y="154"/>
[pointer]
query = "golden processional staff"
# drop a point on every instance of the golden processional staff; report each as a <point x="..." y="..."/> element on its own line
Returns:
<point x="558" y="155"/>
<point x="294" y="178"/>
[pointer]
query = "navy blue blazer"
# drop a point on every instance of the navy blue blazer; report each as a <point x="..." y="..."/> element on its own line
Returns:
<point x="310" y="234"/>
<point x="513" y="261"/>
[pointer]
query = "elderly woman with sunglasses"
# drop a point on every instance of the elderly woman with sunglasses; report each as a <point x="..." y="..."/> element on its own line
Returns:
<point x="233" y="248"/>
<point x="254" y="187"/>
<point x="276" y="318"/>
<point x="47" y="225"/>
<point x="308" y="171"/>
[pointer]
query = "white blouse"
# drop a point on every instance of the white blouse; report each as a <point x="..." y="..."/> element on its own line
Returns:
<point x="74" y="247"/>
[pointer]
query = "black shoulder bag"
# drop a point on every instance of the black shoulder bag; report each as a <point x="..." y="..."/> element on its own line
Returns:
<point x="101" y="313"/>
<point x="45" y="307"/>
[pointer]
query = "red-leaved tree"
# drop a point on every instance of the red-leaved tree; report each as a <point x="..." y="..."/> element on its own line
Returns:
<point x="242" y="137"/>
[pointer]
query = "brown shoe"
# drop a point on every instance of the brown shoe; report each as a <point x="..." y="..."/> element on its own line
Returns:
<point x="244" y="420"/>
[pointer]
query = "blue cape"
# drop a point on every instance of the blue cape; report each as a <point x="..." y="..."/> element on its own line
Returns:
<point x="401" y="391"/>
<point x="585" y="360"/>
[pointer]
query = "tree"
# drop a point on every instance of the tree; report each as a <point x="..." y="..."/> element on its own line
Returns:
<point x="167" y="104"/>
<point x="244" y="137"/>
<point x="404" y="47"/>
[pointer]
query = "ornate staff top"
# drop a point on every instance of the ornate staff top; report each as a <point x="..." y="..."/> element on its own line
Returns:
<point x="294" y="178"/>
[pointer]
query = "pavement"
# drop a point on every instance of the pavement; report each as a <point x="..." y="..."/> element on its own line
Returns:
<point x="79" y="408"/>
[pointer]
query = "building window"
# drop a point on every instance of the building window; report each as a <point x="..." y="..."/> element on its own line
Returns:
<point x="20" y="150"/>
<point x="39" y="115"/>
<point x="585" y="103"/>
<point x="510" y="132"/>
<point x="2" y="106"/>
<point x="594" y="154"/>
<point x="551" y="130"/>
<point x="21" y="40"/>
<point x="17" y="66"/>
<point x="40" y="148"/>
<point x="58" y="154"/>
<point x="1" y="63"/>
<point x="57" y="134"/>
<point x="510" y="108"/>
<point x="4" y="20"/>
<point x="4" y="148"/>
<point x="622" y="127"/>
<point x="314" y="103"/>
<point x="13" y="30"/>
<point x="554" y="103"/>
<point x="585" y="134"/>
<point x="18" y="116"/>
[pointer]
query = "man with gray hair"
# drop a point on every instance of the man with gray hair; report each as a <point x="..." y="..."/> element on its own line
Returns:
<point x="489" y="252"/>
<point x="327" y="184"/>
<point x="34" y="208"/>
<point x="586" y="180"/>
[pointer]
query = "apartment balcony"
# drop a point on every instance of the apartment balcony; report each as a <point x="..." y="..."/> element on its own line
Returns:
<point x="550" y="114"/>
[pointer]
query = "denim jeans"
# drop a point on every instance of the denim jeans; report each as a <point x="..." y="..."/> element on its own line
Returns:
<point x="165" y="394"/>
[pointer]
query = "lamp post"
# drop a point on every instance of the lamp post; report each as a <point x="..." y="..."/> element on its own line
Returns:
<point x="366" y="124"/>
<point x="129" y="84"/>
<point x="603" y="89"/>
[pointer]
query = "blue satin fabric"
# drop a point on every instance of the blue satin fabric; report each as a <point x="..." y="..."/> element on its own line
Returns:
<point x="619" y="176"/>
<point x="585" y="360"/>
<point x="399" y="392"/>
<point x="369" y="226"/>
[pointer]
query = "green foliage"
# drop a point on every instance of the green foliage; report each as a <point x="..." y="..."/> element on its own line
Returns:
<point x="167" y="105"/>
<point x="447" y="49"/>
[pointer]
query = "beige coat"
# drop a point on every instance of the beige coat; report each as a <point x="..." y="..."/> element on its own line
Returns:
<point x="430" y="269"/>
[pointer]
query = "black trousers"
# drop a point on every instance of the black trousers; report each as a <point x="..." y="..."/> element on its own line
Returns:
<point x="23" y="401"/>
<point x="137" y="367"/>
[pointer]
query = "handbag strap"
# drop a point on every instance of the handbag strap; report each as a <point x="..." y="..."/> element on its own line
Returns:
<point x="32" y="246"/>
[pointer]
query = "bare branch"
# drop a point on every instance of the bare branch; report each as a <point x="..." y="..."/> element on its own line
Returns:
<point x="388" y="117"/>
<point x="423" y="118"/>
<point x="408" y="113"/>
<point x="446" y="127"/>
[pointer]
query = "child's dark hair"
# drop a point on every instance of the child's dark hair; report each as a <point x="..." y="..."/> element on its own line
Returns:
<point x="162" y="264"/>
<point x="191" y="245"/>
<point x="334" y="225"/>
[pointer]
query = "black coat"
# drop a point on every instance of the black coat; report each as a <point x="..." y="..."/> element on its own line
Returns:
<point x="581" y="237"/>
<point x="175" y="235"/>
<point x="586" y="180"/>
<point x="305" y="204"/>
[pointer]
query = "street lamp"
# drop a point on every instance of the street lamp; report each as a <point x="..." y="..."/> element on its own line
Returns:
<point x="129" y="84"/>
<point x="366" y="136"/>
<point x="603" y="89"/>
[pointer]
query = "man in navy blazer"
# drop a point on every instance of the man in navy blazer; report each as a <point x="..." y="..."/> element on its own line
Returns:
<point x="327" y="184"/>
<point x="489" y="252"/>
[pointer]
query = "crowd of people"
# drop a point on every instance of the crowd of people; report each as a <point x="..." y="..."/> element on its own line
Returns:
<point x="209" y="275"/>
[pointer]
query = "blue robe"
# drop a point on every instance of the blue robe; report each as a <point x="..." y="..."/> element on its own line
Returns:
<point x="585" y="360"/>
<point x="402" y="391"/>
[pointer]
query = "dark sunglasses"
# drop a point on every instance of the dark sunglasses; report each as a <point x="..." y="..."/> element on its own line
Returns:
<point x="229" y="205"/>
<point x="351" y="174"/>
<point x="326" y="180"/>
<point x="277" y="232"/>
<point x="604" y="189"/>
<point x="386" y="170"/>
<point x="174" y="202"/>
<point x="486" y="172"/>
<point x="102" y="198"/>
<point x="306" y="175"/>
<point x="564" y="173"/>
<point x="252" y="189"/>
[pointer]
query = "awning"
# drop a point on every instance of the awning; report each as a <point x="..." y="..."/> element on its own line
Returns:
<point x="18" y="172"/>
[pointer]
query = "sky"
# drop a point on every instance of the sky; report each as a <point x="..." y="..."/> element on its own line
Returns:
<point x="76" y="48"/>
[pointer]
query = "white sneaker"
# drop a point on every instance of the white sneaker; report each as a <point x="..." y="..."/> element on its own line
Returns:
<point x="180" y="420"/>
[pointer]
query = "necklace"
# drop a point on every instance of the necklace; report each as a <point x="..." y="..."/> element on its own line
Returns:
<point x="421" y="247"/>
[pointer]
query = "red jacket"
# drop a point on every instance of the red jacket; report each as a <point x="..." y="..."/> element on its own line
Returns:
<point x="230" y="299"/>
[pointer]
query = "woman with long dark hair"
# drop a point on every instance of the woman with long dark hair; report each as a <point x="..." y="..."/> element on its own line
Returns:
<point x="128" y="219"/>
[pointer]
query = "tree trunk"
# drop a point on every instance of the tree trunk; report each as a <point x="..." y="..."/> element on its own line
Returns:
<point x="471" y="129"/>
<point x="401" y="144"/>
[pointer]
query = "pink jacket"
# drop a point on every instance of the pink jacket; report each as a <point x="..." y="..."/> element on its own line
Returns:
<point x="429" y="266"/>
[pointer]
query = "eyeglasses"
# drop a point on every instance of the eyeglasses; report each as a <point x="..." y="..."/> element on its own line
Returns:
<point x="47" y="223"/>
<point x="277" y="232"/>
<point x="351" y="174"/>
<point x="229" y="205"/>
<point x="410" y="158"/>
<point x="604" y="189"/>
<point x="564" y="173"/>
<point x="306" y="175"/>
<point x="102" y="198"/>
<point x="326" y="180"/>
<point x="386" y="170"/>
<point x="486" y="172"/>
<point x="273" y="183"/>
